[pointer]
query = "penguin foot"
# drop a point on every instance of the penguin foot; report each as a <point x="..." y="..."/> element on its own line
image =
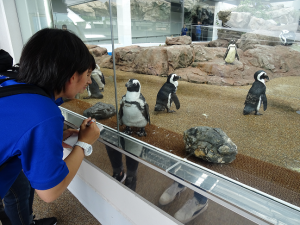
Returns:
<point x="97" y="96"/>
<point x="101" y="89"/>
<point x="142" y="132"/>
<point x="170" y="111"/>
<point x="128" y="131"/>
<point x="258" y="114"/>
<point x="87" y="97"/>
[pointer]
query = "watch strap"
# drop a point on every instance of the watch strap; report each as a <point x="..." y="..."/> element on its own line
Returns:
<point x="87" y="148"/>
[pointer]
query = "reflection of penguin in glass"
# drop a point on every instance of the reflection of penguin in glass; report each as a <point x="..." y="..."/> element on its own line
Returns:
<point x="256" y="94"/>
<point x="231" y="53"/>
<point x="167" y="94"/>
<point x="97" y="85"/>
<point x="134" y="110"/>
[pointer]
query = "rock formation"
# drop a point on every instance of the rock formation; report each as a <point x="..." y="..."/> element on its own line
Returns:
<point x="210" y="144"/>
<point x="199" y="63"/>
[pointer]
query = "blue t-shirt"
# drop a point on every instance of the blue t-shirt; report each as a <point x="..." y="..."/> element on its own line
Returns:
<point x="32" y="129"/>
<point x="183" y="31"/>
<point x="198" y="29"/>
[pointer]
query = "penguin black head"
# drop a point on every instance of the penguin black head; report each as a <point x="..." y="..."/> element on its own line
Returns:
<point x="172" y="78"/>
<point x="133" y="85"/>
<point x="232" y="42"/>
<point x="261" y="76"/>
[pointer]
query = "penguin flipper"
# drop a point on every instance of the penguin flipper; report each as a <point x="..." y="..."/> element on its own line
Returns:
<point x="121" y="112"/>
<point x="264" y="100"/>
<point x="175" y="100"/>
<point x="236" y="54"/>
<point x="103" y="79"/>
<point x="147" y="114"/>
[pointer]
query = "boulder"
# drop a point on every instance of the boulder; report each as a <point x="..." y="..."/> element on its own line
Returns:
<point x="84" y="10"/>
<point x="193" y="75"/>
<point x="239" y="19"/>
<point x="99" y="8"/>
<point x="250" y="40"/>
<point x="203" y="54"/>
<point x="210" y="144"/>
<point x="261" y="24"/>
<point x="100" y="111"/>
<point x="179" y="56"/>
<point x="218" y="43"/>
<point x="97" y="51"/>
<point x="229" y="34"/>
<point x="152" y="60"/>
<point x="180" y="40"/>
<point x="279" y="60"/>
<point x="150" y="10"/>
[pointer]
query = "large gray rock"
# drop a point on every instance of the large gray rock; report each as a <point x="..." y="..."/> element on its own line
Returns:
<point x="250" y="40"/>
<point x="228" y="34"/>
<point x="239" y="19"/>
<point x="150" y="10"/>
<point x="218" y="43"/>
<point x="260" y="24"/>
<point x="96" y="51"/>
<point x="100" y="111"/>
<point x="278" y="60"/>
<point x="210" y="144"/>
<point x="180" y="40"/>
<point x="179" y="56"/>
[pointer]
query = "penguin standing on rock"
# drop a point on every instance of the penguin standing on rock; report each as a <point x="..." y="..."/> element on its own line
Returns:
<point x="231" y="53"/>
<point x="167" y="94"/>
<point x="256" y="94"/>
<point x="134" y="110"/>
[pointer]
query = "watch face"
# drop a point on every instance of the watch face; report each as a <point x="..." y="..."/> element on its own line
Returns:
<point x="88" y="151"/>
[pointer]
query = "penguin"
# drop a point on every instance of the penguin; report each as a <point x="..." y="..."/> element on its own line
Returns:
<point x="134" y="110"/>
<point x="93" y="90"/>
<point x="287" y="37"/>
<point x="167" y="94"/>
<point x="256" y="94"/>
<point x="231" y="53"/>
<point x="98" y="77"/>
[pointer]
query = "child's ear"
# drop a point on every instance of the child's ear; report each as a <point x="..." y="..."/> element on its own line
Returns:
<point x="73" y="78"/>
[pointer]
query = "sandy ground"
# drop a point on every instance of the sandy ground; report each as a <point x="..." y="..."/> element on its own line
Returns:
<point x="273" y="137"/>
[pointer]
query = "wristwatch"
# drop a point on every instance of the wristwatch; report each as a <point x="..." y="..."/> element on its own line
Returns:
<point x="88" y="149"/>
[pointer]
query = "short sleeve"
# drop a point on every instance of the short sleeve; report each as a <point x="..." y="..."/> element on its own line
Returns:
<point x="42" y="154"/>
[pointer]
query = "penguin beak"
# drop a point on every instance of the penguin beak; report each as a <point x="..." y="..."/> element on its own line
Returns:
<point x="266" y="77"/>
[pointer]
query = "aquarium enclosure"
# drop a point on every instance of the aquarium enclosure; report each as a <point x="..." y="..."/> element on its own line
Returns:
<point x="208" y="101"/>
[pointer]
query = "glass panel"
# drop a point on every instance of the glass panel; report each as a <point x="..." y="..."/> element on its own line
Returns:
<point x="212" y="91"/>
<point x="151" y="184"/>
<point x="203" y="182"/>
<point x="34" y="15"/>
<point x="89" y="20"/>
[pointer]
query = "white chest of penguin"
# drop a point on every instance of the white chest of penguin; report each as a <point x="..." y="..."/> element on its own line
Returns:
<point x="132" y="116"/>
<point x="230" y="55"/>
